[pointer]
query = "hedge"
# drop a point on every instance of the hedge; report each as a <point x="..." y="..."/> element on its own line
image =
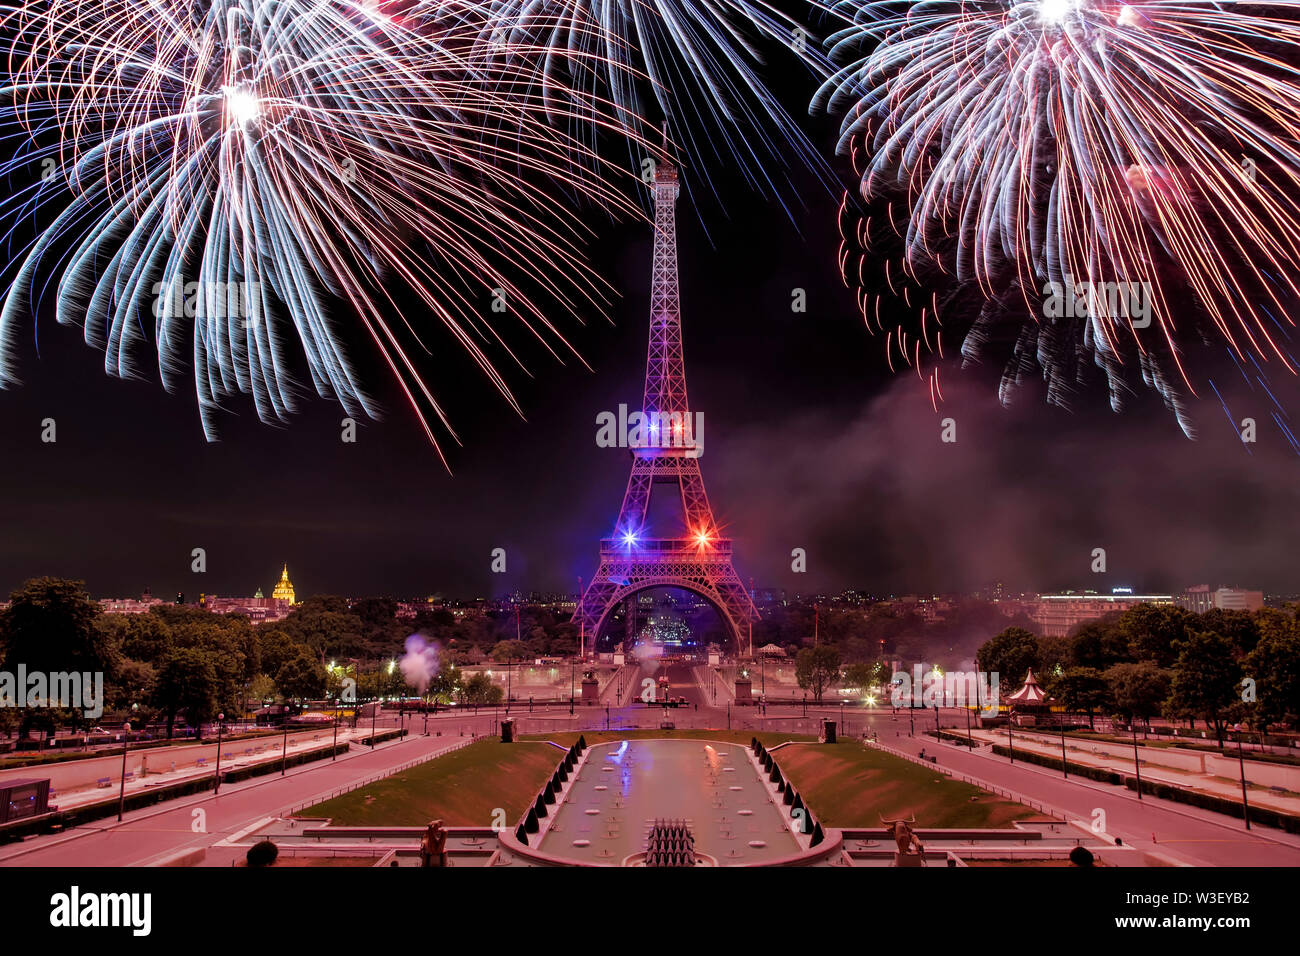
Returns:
<point x="1208" y="801"/>
<point x="1100" y="774"/>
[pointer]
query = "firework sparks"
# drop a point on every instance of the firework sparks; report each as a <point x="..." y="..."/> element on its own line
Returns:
<point x="1074" y="148"/>
<point x="255" y="174"/>
<point x="700" y="61"/>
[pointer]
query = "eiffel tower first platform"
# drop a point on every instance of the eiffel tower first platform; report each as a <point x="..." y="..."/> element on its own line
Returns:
<point x="697" y="558"/>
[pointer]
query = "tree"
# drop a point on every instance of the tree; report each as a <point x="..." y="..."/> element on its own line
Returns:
<point x="261" y="689"/>
<point x="817" y="668"/>
<point x="1053" y="655"/>
<point x="1205" y="680"/>
<point x="301" y="676"/>
<point x="1082" y="689"/>
<point x="480" y="691"/>
<point x="1242" y="628"/>
<point x="1137" y="690"/>
<point x="276" y="648"/>
<point x="325" y="624"/>
<point x="1274" y="665"/>
<point x="1099" y="643"/>
<point x="504" y="651"/>
<point x="134" y="684"/>
<point x="51" y="625"/>
<point x="140" y="637"/>
<point x="1154" y="630"/>
<point x="1010" y="654"/>
<point x="860" y="677"/>
<point x="187" y="681"/>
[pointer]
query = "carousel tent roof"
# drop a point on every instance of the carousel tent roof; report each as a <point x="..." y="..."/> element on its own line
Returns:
<point x="1030" y="693"/>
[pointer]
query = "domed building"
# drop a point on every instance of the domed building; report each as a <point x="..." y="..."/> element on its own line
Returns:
<point x="283" y="590"/>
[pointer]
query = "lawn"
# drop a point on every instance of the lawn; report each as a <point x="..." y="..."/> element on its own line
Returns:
<point x="461" y="788"/>
<point x="849" y="785"/>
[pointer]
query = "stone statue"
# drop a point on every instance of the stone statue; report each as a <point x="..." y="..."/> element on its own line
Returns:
<point x="433" y="845"/>
<point x="911" y="851"/>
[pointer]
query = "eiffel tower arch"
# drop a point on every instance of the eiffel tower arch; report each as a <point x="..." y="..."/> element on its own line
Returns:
<point x="695" y="557"/>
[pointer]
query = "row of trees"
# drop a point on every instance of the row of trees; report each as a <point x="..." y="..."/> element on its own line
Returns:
<point x="1222" y="667"/>
<point x="178" y="660"/>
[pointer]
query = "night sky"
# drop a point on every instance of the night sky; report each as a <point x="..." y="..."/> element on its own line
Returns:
<point x="810" y="442"/>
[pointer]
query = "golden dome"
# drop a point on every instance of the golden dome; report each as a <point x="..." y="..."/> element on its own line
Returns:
<point x="283" y="591"/>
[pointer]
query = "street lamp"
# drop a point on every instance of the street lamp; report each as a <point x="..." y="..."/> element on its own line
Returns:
<point x="1245" y="804"/>
<point x="1137" y="766"/>
<point x="1065" y="769"/>
<point x="121" y="794"/>
<point x="221" y="719"/>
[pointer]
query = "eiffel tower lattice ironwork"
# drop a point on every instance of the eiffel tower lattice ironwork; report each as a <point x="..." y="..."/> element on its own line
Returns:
<point x="698" y="558"/>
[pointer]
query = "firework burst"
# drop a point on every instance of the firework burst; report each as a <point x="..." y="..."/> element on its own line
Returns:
<point x="254" y="177"/>
<point x="1043" y="150"/>
<point x="699" y="61"/>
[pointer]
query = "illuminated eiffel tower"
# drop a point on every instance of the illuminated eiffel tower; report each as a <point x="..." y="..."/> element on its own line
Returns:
<point x="697" y="558"/>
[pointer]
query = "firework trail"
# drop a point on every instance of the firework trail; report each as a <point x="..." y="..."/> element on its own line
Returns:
<point x="1049" y="154"/>
<point x="698" y="60"/>
<point x="257" y="176"/>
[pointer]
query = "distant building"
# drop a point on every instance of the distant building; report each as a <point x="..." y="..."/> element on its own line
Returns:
<point x="1199" y="599"/>
<point x="283" y="591"/>
<point x="1057" y="614"/>
<point x="139" y="605"/>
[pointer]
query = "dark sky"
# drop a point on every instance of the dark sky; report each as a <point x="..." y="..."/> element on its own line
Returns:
<point x="810" y="442"/>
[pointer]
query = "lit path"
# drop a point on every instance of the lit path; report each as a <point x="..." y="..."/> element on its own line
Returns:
<point x="624" y="787"/>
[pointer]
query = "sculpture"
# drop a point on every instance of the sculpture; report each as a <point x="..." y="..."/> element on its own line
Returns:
<point x="906" y="841"/>
<point x="433" y="845"/>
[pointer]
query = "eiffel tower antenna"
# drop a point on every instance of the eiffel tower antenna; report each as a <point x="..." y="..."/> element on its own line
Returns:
<point x="666" y="450"/>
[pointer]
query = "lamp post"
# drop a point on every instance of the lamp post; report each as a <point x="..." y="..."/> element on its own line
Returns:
<point x="121" y="793"/>
<point x="1137" y="767"/>
<point x="970" y="741"/>
<point x="1065" y="769"/>
<point x="1011" y="744"/>
<point x="284" y="747"/>
<point x="334" y="750"/>
<point x="1245" y="804"/>
<point x="221" y="721"/>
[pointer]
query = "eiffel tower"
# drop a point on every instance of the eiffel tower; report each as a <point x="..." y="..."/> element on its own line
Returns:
<point x="697" y="558"/>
